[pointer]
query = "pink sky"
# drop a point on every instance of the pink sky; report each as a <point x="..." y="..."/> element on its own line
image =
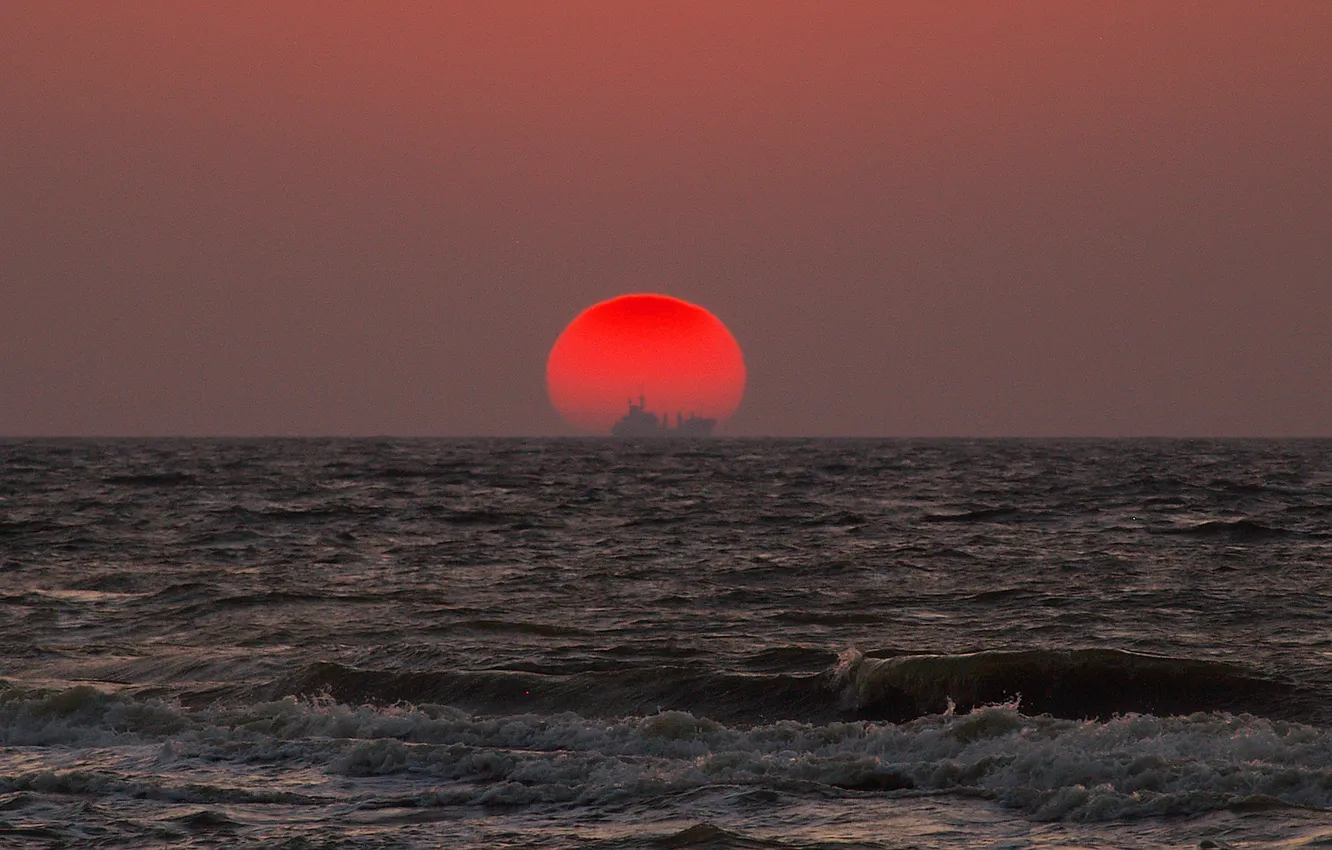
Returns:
<point x="965" y="219"/>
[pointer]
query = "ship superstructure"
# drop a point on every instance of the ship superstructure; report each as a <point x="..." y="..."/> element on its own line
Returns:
<point x="641" y="422"/>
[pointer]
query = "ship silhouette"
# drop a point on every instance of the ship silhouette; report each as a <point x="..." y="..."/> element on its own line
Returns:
<point x="641" y="422"/>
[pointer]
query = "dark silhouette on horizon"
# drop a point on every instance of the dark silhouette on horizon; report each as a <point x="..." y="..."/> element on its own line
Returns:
<point x="640" y="422"/>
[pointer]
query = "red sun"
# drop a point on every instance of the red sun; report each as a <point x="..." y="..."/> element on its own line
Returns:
<point x="677" y="355"/>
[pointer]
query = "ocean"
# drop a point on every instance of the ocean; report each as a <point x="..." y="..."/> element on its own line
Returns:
<point x="597" y="644"/>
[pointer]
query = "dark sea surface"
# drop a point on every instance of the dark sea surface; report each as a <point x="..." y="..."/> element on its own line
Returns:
<point x="673" y="644"/>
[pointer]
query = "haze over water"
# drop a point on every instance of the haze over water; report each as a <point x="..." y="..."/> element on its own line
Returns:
<point x="556" y="643"/>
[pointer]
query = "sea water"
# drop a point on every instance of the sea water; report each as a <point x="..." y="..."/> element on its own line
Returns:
<point x="665" y="644"/>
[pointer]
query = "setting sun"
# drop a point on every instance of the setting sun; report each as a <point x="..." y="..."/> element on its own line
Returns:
<point x="677" y="355"/>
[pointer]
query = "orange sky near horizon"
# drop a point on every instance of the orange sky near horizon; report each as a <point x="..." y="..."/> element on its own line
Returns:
<point x="1008" y="218"/>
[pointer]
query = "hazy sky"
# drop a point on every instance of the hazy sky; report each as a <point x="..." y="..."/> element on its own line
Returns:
<point x="917" y="218"/>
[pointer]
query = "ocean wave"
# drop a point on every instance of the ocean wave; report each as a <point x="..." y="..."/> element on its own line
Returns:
<point x="1129" y="766"/>
<point x="27" y="527"/>
<point x="1238" y="529"/>
<point x="79" y="716"/>
<point x="726" y="696"/>
<point x="523" y="627"/>
<point x="84" y="782"/>
<point x="998" y="514"/>
<point x="707" y="836"/>
<point x="1074" y="683"/>
<point x="151" y="479"/>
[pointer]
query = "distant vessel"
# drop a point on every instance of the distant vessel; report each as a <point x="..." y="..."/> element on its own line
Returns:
<point x="640" y="422"/>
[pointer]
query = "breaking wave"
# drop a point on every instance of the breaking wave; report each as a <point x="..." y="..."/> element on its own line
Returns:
<point x="1130" y="766"/>
<point x="1077" y="683"/>
<point x="614" y="692"/>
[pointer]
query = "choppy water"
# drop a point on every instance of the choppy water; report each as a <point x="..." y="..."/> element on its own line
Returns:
<point x="584" y="643"/>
